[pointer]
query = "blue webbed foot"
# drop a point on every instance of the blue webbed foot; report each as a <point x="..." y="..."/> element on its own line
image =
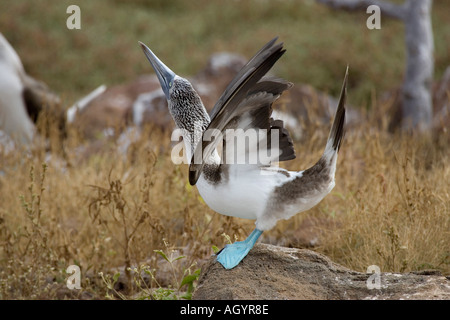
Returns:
<point x="232" y="254"/>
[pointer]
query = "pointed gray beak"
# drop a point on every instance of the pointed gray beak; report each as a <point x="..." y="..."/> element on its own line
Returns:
<point x="165" y="75"/>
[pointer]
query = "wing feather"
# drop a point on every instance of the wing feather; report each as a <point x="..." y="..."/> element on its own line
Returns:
<point x="247" y="103"/>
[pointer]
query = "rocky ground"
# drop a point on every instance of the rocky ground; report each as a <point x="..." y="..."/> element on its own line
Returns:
<point x="280" y="273"/>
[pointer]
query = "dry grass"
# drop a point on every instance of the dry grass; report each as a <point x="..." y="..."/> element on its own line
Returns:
<point x="104" y="210"/>
<point x="393" y="204"/>
<point x="390" y="207"/>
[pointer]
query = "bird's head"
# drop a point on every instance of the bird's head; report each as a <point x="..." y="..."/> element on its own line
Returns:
<point x="165" y="76"/>
<point x="180" y="94"/>
<point x="185" y="105"/>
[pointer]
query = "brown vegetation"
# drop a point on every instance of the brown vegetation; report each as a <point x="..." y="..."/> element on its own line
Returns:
<point x="105" y="210"/>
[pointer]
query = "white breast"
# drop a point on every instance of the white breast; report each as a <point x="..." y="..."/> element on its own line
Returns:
<point x="243" y="195"/>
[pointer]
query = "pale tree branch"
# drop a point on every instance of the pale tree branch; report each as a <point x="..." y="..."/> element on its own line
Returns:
<point x="387" y="8"/>
<point x="417" y="104"/>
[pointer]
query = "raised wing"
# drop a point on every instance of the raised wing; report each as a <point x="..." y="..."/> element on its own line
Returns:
<point x="246" y="103"/>
<point x="254" y="112"/>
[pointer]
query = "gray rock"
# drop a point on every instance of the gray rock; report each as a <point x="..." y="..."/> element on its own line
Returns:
<point x="279" y="273"/>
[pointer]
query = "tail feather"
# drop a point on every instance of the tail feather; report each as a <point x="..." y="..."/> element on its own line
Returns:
<point x="337" y="130"/>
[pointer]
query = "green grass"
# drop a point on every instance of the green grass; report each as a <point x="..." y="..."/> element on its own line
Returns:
<point x="319" y="41"/>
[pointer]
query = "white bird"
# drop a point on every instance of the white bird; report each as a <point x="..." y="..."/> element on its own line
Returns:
<point x="14" y="119"/>
<point x="255" y="189"/>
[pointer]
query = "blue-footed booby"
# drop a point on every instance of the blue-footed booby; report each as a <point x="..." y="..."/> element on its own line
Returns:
<point x="259" y="189"/>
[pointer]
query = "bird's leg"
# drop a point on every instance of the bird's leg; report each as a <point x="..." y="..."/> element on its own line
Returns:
<point x="232" y="254"/>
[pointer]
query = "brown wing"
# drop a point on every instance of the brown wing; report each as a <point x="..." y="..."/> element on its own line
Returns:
<point x="245" y="103"/>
